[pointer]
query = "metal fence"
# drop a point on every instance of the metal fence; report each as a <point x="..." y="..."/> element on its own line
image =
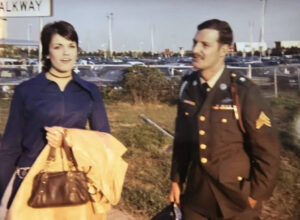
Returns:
<point x="273" y="80"/>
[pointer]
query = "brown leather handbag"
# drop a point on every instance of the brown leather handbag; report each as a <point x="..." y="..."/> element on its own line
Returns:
<point x="62" y="188"/>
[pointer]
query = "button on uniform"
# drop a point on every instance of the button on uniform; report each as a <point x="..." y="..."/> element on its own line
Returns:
<point x="224" y="120"/>
<point x="203" y="160"/>
<point x="201" y="132"/>
<point x="203" y="146"/>
<point x="239" y="178"/>
<point x="202" y="118"/>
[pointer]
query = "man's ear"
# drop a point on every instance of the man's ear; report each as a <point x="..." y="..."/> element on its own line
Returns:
<point x="225" y="49"/>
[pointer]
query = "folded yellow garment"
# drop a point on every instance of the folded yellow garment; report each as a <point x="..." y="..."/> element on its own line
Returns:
<point x="98" y="153"/>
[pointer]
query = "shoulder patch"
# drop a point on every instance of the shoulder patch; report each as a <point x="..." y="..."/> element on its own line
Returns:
<point x="238" y="78"/>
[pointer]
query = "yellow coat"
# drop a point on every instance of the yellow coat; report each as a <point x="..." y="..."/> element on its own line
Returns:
<point x="98" y="152"/>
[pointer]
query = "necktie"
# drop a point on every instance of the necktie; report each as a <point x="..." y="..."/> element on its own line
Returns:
<point x="203" y="91"/>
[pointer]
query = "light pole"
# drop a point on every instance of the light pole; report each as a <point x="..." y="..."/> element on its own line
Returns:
<point x="110" y="17"/>
<point x="28" y="38"/>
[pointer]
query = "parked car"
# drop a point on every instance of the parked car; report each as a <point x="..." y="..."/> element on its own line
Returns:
<point x="87" y="74"/>
<point x="9" y="79"/>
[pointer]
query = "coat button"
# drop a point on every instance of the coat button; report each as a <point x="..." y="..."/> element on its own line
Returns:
<point x="239" y="178"/>
<point x="224" y="120"/>
<point x="208" y="89"/>
<point x="203" y="160"/>
<point x="201" y="132"/>
<point x="202" y="118"/>
<point x="203" y="146"/>
<point x="186" y="113"/>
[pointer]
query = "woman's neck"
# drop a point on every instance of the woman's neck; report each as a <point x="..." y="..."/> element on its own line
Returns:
<point x="61" y="79"/>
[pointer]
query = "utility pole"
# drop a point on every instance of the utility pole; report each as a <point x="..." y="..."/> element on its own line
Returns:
<point x="152" y="40"/>
<point x="40" y="46"/>
<point x="28" y="39"/>
<point x="110" y="43"/>
<point x="251" y="25"/>
<point x="262" y="28"/>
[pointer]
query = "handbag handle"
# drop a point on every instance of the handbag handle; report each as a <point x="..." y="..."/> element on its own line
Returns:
<point x="68" y="151"/>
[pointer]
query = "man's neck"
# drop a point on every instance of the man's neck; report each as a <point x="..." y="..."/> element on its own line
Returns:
<point x="209" y="73"/>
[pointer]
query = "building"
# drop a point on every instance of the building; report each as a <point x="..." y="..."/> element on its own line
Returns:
<point x="287" y="44"/>
<point x="3" y="33"/>
<point x="247" y="47"/>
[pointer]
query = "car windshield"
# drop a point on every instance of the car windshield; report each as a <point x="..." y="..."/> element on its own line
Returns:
<point x="6" y="74"/>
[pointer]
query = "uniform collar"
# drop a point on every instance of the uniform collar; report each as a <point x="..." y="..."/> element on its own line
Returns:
<point x="211" y="83"/>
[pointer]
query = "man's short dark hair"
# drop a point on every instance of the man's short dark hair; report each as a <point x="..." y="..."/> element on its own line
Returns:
<point x="62" y="28"/>
<point x="224" y="29"/>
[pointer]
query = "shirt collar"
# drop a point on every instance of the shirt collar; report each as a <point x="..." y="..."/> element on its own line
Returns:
<point x="43" y="81"/>
<point x="214" y="79"/>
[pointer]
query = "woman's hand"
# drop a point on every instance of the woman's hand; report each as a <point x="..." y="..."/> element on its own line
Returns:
<point x="54" y="136"/>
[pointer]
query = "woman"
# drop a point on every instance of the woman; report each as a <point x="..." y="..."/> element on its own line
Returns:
<point x="41" y="107"/>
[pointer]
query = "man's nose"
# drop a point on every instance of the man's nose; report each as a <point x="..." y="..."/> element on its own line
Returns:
<point x="197" y="49"/>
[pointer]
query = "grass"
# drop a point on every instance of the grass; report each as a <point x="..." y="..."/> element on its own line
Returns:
<point x="285" y="202"/>
<point x="147" y="181"/>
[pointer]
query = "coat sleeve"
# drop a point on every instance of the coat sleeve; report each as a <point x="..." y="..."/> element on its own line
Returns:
<point x="182" y="146"/>
<point x="262" y="143"/>
<point x="98" y="118"/>
<point x="11" y="146"/>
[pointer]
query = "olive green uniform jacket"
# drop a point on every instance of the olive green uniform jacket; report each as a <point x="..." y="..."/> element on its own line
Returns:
<point x="209" y="139"/>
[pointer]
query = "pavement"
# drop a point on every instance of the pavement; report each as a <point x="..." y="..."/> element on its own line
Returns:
<point x="116" y="214"/>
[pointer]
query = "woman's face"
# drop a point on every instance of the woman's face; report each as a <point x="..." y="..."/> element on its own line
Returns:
<point x="62" y="54"/>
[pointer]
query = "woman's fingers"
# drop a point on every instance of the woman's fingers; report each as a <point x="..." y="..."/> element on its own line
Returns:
<point x="54" y="135"/>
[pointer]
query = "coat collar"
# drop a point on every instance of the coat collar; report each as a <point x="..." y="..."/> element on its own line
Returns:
<point x="42" y="81"/>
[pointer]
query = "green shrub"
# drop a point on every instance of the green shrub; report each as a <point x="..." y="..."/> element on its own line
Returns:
<point x="144" y="84"/>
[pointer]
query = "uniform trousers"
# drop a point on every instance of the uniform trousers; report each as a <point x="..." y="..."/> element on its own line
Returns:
<point x="199" y="201"/>
<point x="249" y="214"/>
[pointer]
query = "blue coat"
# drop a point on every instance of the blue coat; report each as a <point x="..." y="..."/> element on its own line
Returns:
<point x="37" y="103"/>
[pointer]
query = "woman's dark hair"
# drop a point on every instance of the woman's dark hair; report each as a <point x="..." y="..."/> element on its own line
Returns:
<point x="62" y="28"/>
<point x="225" y="31"/>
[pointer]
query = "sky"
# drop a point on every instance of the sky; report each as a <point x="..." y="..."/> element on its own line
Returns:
<point x="173" y="22"/>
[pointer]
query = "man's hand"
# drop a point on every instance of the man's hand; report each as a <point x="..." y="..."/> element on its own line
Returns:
<point x="174" y="195"/>
<point x="252" y="202"/>
<point x="54" y="136"/>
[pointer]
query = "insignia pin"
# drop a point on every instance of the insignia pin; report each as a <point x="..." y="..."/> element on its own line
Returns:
<point x="223" y="86"/>
<point x="243" y="79"/>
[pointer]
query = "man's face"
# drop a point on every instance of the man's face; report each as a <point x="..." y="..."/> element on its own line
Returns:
<point x="207" y="51"/>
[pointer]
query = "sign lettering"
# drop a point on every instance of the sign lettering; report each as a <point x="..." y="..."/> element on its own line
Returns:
<point x="24" y="8"/>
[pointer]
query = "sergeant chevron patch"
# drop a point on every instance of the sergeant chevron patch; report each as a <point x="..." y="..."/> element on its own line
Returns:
<point x="263" y="120"/>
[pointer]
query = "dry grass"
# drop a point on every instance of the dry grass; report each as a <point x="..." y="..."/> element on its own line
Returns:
<point x="147" y="180"/>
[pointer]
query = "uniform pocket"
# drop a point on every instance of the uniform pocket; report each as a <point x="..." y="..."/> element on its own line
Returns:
<point x="235" y="172"/>
<point x="189" y="108"/>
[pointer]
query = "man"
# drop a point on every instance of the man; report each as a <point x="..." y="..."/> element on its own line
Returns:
<point x="225" y="141"/>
